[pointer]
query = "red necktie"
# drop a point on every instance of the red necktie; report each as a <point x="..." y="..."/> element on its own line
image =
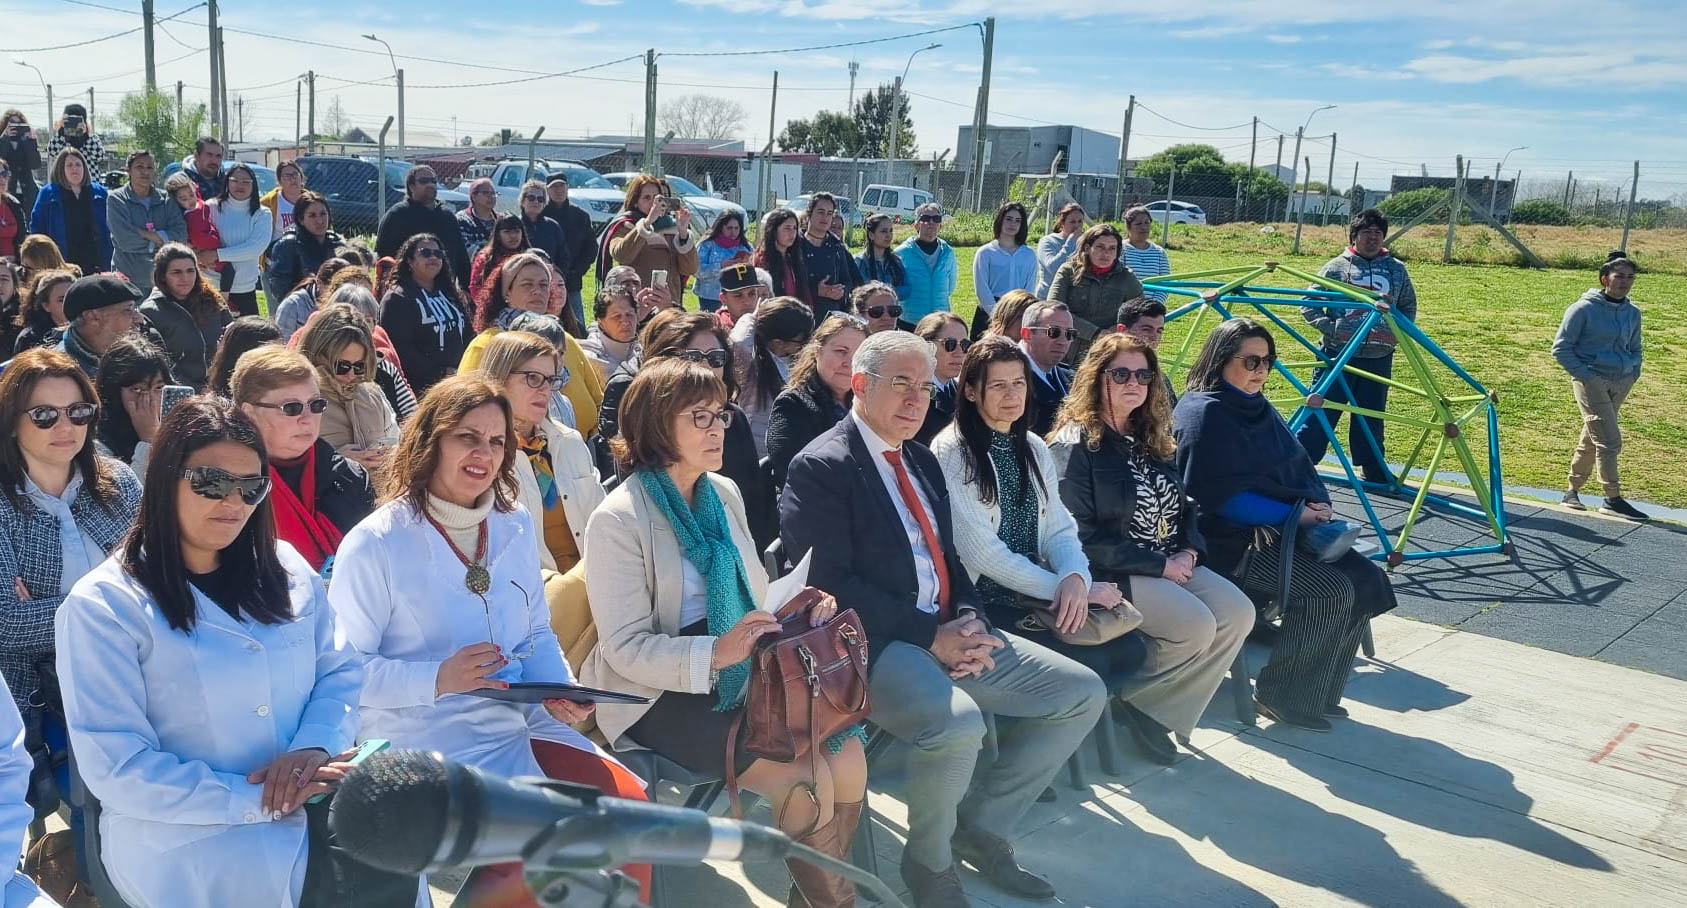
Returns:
<point x="905" y="485"/>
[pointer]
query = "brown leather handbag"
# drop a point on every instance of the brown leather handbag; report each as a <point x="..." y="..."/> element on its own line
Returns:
<point x="806" y="684"/>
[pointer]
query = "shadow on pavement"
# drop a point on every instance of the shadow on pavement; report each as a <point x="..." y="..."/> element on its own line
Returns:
<point x="1401" y="690"/>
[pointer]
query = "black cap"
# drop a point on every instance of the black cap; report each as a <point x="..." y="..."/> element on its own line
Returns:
<point x="97" y="292"/>
<point x="76" y="110"/>
<point x="558" y="177"/>
<point x="738" y="277"/>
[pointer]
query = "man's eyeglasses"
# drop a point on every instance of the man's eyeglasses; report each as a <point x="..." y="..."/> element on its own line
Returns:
<point x="931" y="218"/>
<point x="297" y="407"/>
<point x="537" y="380"/>
<point x="47" y="416"/>
<point x="715" y="358"/>
<point x="1123" y="376"/>
<point x="949" y="344"/>
<point x="346" y="367"/>
<point x="1254" y="363"/>
<point x="217" y="484"/>
<point x="904" y="385"/>
<point x="879" y="311"/>
<point x="428" y="252"/>
<point x="706" y="419"/>
<point x="1053" y="332"/>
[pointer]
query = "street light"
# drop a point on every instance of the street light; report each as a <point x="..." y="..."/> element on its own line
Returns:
<point x="44" y="85"/>
<point x="1494" y="191"/>
<point x="896" y="110"/>
<point x="1294" y="162"/>
<point x="398" y="76"/>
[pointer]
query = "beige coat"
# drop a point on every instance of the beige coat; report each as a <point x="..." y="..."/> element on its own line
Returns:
<point x="576" y="480"/>
<point x="647" y="251"/>
<point x="358" y="416"/>
<point x="634" y="581"/>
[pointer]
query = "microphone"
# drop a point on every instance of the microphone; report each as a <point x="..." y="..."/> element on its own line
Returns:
<point x="413" y="811"/>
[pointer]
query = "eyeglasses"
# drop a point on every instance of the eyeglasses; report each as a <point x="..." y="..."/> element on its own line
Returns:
<point x="706" y="419"/>
<point x="931" y="218"/>
<point x="428" y="252"/>
<point x="47" y="416"/>
<point x="903" y="385"/>
<point x="345" y="366"/>
<point x="297" y="407"/>
<point x="1123" y="376"/>
<point x="530" y="197"/>
<point x="482" y="191"/>
<point x="715" y="358"/>
<point x="217" y="484"/>
<point x="537" y="380"/>
<point x="1254" y="363"/>
<point x="1053" y="332"/>
<point x="879" y="311"/>
<point x="949" y="344"/>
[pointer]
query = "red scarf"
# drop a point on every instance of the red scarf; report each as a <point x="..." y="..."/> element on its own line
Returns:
<point x="296" y="518"/>
<point x="725" y="243"/>
<point x="1100" y="272"/>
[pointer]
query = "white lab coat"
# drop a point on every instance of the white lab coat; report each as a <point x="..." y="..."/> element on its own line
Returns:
<point x="399" y="599"/>
<point x="166" y="725"/>
<point x="15" y="813"/>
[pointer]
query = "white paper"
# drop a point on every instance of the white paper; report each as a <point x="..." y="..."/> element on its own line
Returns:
<point x="787" y="587"/>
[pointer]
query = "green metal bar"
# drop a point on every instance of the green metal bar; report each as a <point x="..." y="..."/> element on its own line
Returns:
<point x="1477" y="484"/>
<point x="1423" y="493"/>
<point x="1382" y="380"/>
<point x="1189" y="338"/>
<point x="1357" y="294"/>
<point x="1467" y="399"/>
<point x="1210" y="272"/>
<point x="1417" y="450"/>
<point x="1399" y="418"/>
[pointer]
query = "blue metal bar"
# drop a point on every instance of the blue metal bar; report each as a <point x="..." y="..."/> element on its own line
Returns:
<point x="1443" y="553"/>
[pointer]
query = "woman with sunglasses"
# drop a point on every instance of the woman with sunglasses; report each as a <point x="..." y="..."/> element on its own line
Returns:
<point x="187" y="312"/>
<point x="559" y="484"/>
<point x="543" y="231"/>
<point x="518" y="295"/>
<point x="674" y="581"/>
<point x="507" y="238"/>
<point x="246" y="228"/>
<point x="817" y="393"/>
<point x="780" y="328"/>
<point x="875" y="302"/>
<point x="930" y="265"/>
<point x="879" y="261"/>
<point x="317" y="494"/>
<point x="440" y="591"/>
<point x="1239" y="462"/>
<point x="423" y="313"/>
<point x="63" y="508"/>
<point x="1113" y="448"/>
<point x="1092" y="283"/>
<point x="359" y="422"/>
<point x="207" y="698"/>
<point x="947" y="333"/>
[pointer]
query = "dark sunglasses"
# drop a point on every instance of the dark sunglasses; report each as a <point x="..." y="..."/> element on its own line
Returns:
<point x="537" y="380"/>
<point x="344" y="366"/>
<point x="715" y="358"/>
<point x="532" y="198"/>
<point x="47" y="416"/>
<point x="948" y="344"/>
<point x="1253" y="363"/>
<point x="428" y="252"/>
<point x="879" y="311"/>
<point x="1123" y="376"/>
<point x="1053" y="332"/>
<point x="296" y="407"/>
<point x="931" y="219"/>
<point x="706" y="419"/>
<point x="217" y="484"/>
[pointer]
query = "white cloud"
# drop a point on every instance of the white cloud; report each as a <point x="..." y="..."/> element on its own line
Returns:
<point x="1283" y="39"/>
<point x="1582" y="70"/>
<point x="601" y="2"/>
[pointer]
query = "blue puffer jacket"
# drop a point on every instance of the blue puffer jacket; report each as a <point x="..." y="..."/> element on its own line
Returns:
<point x="48" y="218"/>
<point x="930" y="282"/>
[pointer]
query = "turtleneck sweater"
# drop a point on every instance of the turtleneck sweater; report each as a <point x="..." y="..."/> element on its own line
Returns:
<point x="461" y="525"/>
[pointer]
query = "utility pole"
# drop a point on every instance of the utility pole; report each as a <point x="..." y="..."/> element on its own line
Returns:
<point x="216" y="55"/>
<point x="1253" y="147"/>
<point x="1516" y="187"/>
<point x="1124" y="158"/>
<point x="178" y="103"/>
<point x="1300" y="215"/>
<point x="764" y="197"/>
<point x="298" y="113"/>
<point x="983" y="114"/>
<point x="1295" y="160"/>
<point x="895" y="128"/>
<point x="1355" y="186"/>
<point x="401" y="147"/>
<point x="1567" y="180"/>
<point x="1277" y="169"/>
<point x="310" y="111"/>
<point x="151" y="62"/>
<point x="1628" y="213"/>
<point x="1453" y="212"/>
<point x="650" y="111"/>
<point x="222" y="80"/>
<point x="854" y="67"/>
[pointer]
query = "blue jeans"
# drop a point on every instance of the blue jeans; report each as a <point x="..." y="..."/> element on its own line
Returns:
<point x="58" y="742"/>
<point x="1366" y="393"/>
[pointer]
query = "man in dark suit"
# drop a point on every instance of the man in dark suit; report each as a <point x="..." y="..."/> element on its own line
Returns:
<point x="1046" y="335"/>
<point x="870" y="506"/>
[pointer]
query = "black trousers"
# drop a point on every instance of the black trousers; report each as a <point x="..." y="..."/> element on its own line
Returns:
<point x="1366" y="393"/>
<point x="980" y="322"/>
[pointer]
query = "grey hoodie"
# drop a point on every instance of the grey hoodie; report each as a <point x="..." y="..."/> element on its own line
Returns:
<point x="1383" y="274"/>
<point x="1599" y="337"/>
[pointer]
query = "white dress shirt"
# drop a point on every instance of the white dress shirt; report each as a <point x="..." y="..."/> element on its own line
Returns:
<point x="925" y="569"/>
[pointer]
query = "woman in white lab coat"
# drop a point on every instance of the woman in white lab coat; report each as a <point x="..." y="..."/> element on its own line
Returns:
<point x="439" y="589"/>
<point x="204" y="691"/>
<point x="16" y="891"/>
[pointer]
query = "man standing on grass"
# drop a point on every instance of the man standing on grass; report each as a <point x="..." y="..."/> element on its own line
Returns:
<point x="1365" y="263"/>
<point x="1598" y="343"/>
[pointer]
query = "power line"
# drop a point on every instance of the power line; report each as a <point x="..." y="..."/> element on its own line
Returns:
<point x="536" y="78"/>
<point x="41" y="50"/>
<point x="1142" y="106"/>
<point x="794" y="50"/>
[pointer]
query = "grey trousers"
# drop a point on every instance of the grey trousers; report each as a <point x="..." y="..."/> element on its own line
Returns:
<point x="1044" y="705"/>
<point x="1194" y="630"/>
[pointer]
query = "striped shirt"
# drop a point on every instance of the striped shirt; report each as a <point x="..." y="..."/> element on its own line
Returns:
<point x="1147" y="263"/>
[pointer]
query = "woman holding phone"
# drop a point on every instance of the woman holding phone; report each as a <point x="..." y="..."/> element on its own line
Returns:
<point x="652" y="234"/>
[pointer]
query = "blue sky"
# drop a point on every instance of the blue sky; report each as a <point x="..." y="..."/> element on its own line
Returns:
<point x="1587" y="86"/>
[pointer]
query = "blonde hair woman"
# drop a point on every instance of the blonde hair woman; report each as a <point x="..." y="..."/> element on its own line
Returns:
<point x="359" y="422"/>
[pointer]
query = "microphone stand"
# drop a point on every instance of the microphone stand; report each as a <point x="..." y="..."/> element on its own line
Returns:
<point x="556" y="888"/>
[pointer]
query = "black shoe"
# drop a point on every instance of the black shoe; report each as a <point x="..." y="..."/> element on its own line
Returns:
<point x="1619" y="507"/>
<point x="993" y="858"/>
<point x="1572" y="501"/>
<point x="932" y="888"/>
<point x="1382" y="476"/>
<point x="1290" y="717"/>
<point x="1149" y="736"/>
<point x="1335" y="712"/>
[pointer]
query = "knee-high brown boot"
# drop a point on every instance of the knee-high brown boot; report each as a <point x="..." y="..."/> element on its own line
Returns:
<point x="812" y="887"/>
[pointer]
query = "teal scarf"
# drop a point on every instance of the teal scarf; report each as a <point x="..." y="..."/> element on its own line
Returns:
<point x="707" y="542"/>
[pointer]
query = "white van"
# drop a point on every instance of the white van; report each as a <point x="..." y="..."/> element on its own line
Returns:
<point x="899" y="202"/>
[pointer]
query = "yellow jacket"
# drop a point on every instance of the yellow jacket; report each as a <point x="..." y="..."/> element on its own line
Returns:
<point x="584" y="388"/>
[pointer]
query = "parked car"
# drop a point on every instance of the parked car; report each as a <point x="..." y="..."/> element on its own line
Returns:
<point x="843" y="227"/>
<point x="586" y="187"/>
<point x="899" y="202"/>
<point x="349" y="186"/>
<point x="705" y="206"/>
<point x="266" y="175"/>
<point x="1178" y="213"/>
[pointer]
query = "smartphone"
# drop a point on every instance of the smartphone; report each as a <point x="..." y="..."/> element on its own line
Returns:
<point x="659" y="278"/>
<point x="173" y="395"/>
<point x="370" y="748"/>
<point x="674" y="204"/>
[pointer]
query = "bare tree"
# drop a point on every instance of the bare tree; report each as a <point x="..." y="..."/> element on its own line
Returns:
<point x="701" y="117"/>
<point x="335" y="120"/>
